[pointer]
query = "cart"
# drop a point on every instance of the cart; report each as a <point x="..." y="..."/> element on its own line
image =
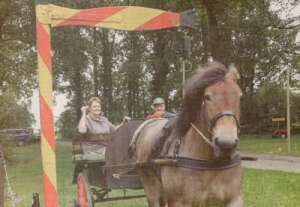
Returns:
<point x="95" y="176"/>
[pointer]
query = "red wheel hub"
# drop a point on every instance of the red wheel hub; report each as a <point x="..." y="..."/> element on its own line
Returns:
<point x="82" y="192"/>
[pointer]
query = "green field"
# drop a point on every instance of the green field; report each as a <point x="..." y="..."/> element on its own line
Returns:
<point x="263" y="144"/>
<point x="261" y="188"/>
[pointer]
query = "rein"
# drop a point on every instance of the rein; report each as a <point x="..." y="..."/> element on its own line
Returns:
<point x="202" y="135"/>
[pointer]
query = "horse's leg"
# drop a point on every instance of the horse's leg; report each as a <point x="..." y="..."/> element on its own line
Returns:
<point x="152" y="187"/>
<point x="177" y="204"/>
<point x="237" y="202"/>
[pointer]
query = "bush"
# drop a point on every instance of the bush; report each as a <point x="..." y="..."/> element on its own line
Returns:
<point x="67" y="124"/>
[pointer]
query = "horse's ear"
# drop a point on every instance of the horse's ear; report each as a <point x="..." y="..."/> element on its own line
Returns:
<point x="233" y="73"/>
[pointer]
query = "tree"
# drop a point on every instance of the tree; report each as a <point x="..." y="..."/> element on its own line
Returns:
<point x="252" y="36"/>
<point x="67" y="124"/>
<point x="132" y="74"/>
<point x="71" y="66"/>
<point x="17" y="54"/>
<point x="108" y="42"/>
<point x="127" y="69"/>
<point x="12" y="114"/>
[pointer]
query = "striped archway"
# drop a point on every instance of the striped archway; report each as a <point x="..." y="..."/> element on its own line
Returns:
<point x="48" y="16"/>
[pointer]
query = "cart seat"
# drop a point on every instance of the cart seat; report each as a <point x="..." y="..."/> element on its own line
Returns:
<point x="90" y="156"/>
<point x="90" y="147"/>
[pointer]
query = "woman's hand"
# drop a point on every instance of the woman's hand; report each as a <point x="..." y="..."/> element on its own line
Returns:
<point x="126" y="119"/>
<point x="84" y="109"/>
<point x="82" y="128"/>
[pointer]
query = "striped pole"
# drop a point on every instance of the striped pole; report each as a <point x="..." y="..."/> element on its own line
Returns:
<point x="46" y="104"/>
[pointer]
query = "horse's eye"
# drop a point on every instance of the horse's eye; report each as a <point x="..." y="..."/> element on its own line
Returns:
<point x="207" y="97"/>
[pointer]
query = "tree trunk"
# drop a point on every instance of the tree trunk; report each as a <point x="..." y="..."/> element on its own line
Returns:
<point x="77" y="73"/>
<point x="78" y="93"/>
<point x="107" y="82"/>
<point x="218" y="39"/>
<point x="133" y="73"/>
<point x="160" y="65"/>
<point x="95" y="64"/>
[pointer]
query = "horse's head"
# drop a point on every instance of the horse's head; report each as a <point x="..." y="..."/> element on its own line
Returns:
<point x="212" y="99"/>
<point x="221" y="104"/>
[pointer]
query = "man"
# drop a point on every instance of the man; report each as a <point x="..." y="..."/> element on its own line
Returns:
<point x="159" y="108"/>
<point x="159" y="111"/>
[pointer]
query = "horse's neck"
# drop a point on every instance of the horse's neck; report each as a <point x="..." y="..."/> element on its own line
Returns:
<point x="194" y="145"/>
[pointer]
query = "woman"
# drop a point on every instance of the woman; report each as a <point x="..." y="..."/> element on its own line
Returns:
<point x="96" y="129"/>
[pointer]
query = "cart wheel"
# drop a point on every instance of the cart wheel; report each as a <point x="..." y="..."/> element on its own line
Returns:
<point x="84" y="195"/>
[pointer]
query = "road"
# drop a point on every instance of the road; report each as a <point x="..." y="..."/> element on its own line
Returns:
<point x="264" y="161"/>
<point x="274" y="162"/>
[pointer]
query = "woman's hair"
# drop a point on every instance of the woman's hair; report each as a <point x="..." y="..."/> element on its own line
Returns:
<point x="93" y="99"/>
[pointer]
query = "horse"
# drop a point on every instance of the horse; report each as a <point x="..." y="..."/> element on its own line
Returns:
<point x="204" y="141"/>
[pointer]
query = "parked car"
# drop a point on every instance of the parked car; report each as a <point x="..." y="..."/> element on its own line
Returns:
<point x="282" y="133"/>
<point x="19" y="136"/>
<point x="36" y="135"/>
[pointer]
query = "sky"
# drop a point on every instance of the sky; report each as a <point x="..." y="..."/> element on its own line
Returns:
<point x="296" y="12"/>
<point x="61" y="99"/>
<point x="59" y="107"/>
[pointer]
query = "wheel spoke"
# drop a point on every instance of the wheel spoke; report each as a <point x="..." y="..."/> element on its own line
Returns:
<point x="82" y="191"/>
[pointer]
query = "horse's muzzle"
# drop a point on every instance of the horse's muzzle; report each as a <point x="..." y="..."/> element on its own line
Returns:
<point x="225" y="147"/>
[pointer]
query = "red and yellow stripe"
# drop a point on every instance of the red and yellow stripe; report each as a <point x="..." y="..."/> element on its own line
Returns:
<point x="130" y="18"/>
<point x="46" y="104"/>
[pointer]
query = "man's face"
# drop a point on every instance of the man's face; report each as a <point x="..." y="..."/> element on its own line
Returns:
<point x="159" y="107"/>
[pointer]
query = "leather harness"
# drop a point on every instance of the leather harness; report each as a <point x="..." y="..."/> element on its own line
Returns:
<point x="206" y="164"/>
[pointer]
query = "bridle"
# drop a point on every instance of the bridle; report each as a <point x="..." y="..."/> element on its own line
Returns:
<point x="212" y="122"/>
<point x="206" y="164"/>
<point x="202" y="163"/>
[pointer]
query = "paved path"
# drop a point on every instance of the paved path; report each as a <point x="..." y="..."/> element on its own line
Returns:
<point x="264" y="162"/>
<point x="274" y="162"/>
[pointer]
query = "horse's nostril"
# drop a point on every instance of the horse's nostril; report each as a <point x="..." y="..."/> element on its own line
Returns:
<point x="226" y="144"/>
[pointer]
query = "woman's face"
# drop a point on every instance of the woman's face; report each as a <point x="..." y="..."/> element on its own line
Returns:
<point x="95" y="108"/>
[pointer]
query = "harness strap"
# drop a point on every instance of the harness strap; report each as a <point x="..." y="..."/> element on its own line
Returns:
<point x="205" y="164"/>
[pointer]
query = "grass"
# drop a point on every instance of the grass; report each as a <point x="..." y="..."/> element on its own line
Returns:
<point x="261" y="188"/>
<point x="265" y="188"/>
<point x="264" y="144"/>
<point x="25" y="173"/>
<point x="25" y="177"/>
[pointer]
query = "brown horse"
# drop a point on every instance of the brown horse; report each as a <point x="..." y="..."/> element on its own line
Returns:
<point x="205" y="131"/>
